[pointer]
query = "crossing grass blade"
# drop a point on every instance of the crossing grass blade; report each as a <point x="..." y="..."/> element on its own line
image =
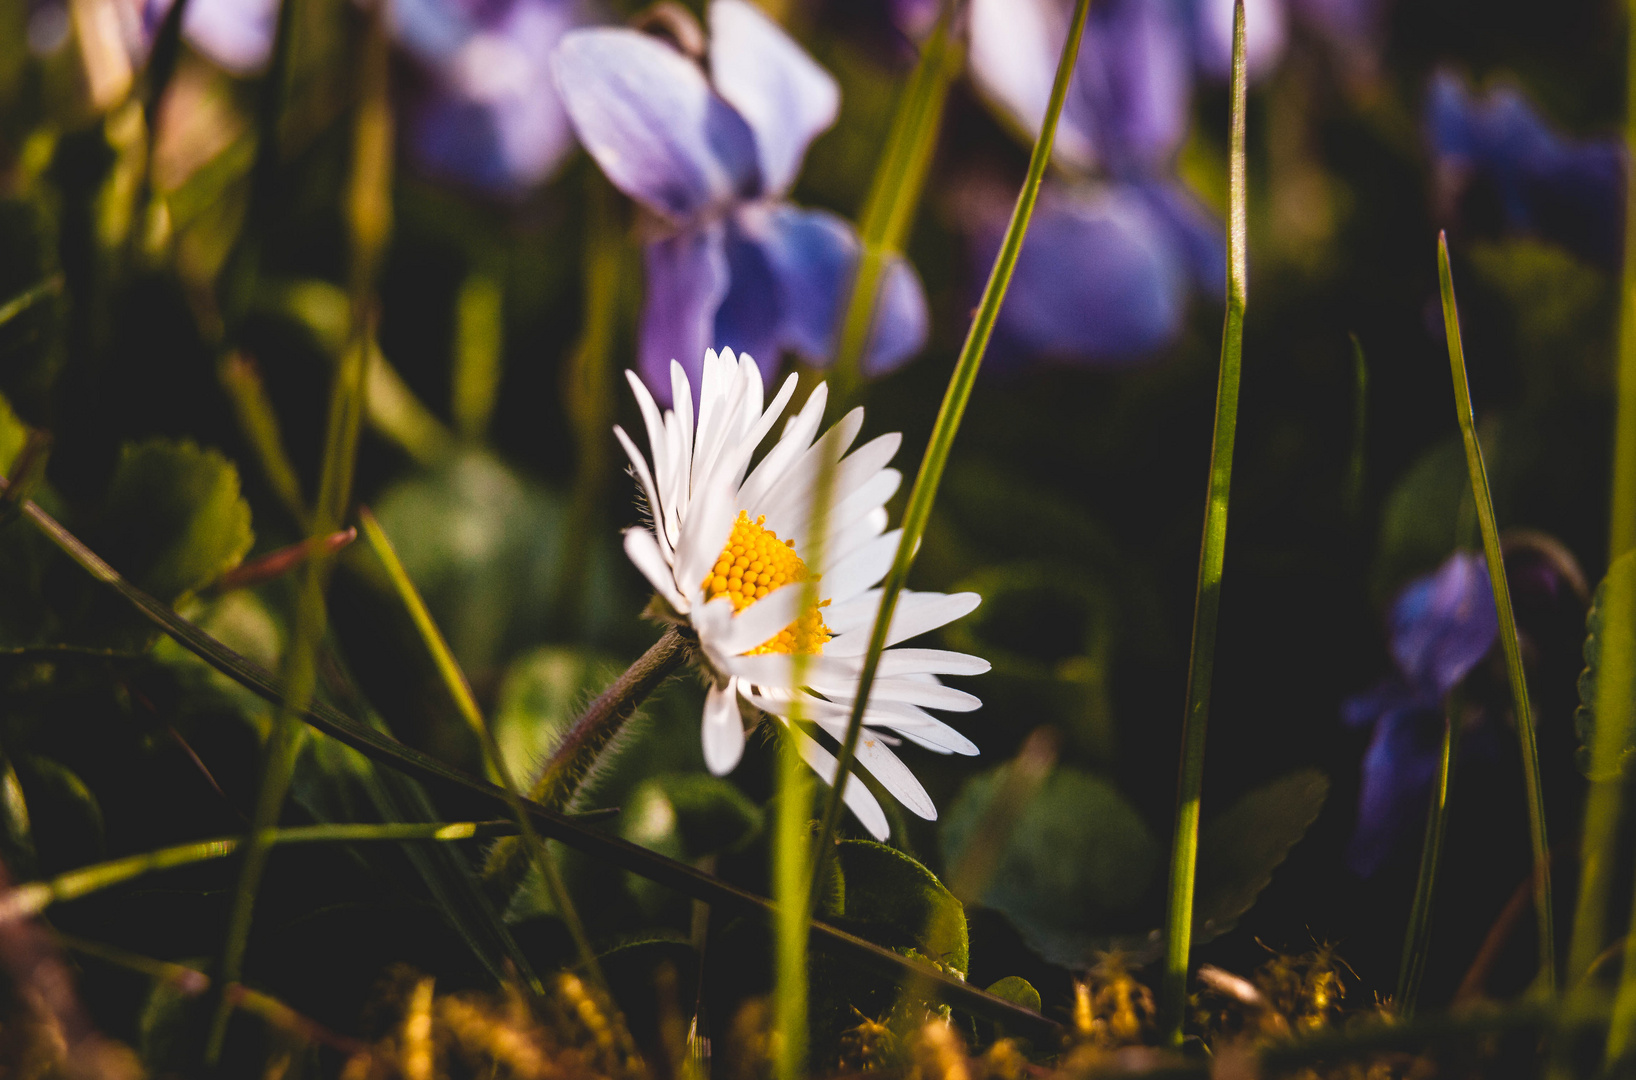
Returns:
<point x="1509" y="643"/>
<point x="572" y="831"/>
<point x="1212" y="552"/>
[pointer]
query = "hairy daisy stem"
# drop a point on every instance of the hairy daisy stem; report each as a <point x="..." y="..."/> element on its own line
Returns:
<point x="1212" y="551"/>
<point x="368" y="199"/>
<point x="589" y="735"/>
<point x="1615" y="717"/>
<point x="1417" y="938"/>
<point x="949" y="415"/>
<point x="894" y="193"/>
<point x="1508" y="624"/>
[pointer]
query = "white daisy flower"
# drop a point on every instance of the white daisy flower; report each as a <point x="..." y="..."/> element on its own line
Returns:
<point x="725" y="552"/>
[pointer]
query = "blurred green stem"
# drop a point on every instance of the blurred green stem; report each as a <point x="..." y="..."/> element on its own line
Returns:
<point x="1360" y="430"/>
<point x="894" y="193"/>
<point x="953" y="410"/>
<point x="790" y="892"/>
<point x="479" y="351"/>
<point x="588" y="388"/>
<point x="368" y="206"/>
<point x="34" y="897"/>
<point x="1207" y="602"/>
<point x="1417" y="938"/>
<point x="1617" y="680"/>
<point x="1508" y="625"/>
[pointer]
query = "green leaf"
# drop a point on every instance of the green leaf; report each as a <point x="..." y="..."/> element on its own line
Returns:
<point x="1420" y="521"/>
<point x="66" y="817"/>
<point x="540" y="695"/>
<point x="1076" y="865"/>
<point x="1018" y="991"/>
<point x="13" y="434"/>
<point x="689" y="816"/>
<point x="1615" y="759"/>
<point x="174" y="520"/>
<point x="894" y="901"/>
<point x="1239" y="850"/>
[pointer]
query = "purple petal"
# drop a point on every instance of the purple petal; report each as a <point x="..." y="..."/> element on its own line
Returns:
<point x="1568" y="192"/>
<point x="1442" y="624"/>
<point x="901" y="320"/>
<point x="1100" y="278"/>
<point x="1199" y="234"/>
<point x="686" y="281"/>
<point x="1398" y="771"/>
<point x="751" y="315"/>
<point x="1388" y="696"/>
<point x="646" y="114"/>
<point x="1013" y="57"/>
<point x="494" y="119"/>
<point x="236" y="35"/>
<point x="430" y="30"/>
<point x="1134" y="83"/>
<point x="812" y="254"/>
<point x="785" y="97"/>
<point x="1266" y="33"/>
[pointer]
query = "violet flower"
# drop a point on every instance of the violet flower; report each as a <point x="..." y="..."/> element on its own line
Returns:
<point x="488" y="114"/>
<point x="732" y="263"/>
<point x="1439" y="628"/>
<point x="1569" y="192"/>
<point x="235" y="35"/>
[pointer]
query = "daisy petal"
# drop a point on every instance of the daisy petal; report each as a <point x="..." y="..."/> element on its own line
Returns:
<point x="639" y="465"/>
<point x="723" y="730"/>
<point x="763" y="619"/>
<point x="873" y="754"/>
<point x="916" y="613"/>
<point x="863" y="569"/>
<point x="709" y="523"/>
<point x="857" y="797"/>
<point x="687" y="278"/>
<point x="937" y="737"/>
<point x="930" y="695"/>
<point x="931" y="662"/>
<point x="643" y="551"/>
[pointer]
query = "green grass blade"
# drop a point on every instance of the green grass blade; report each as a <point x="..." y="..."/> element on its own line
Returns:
<point x="1604" y="804"/>
<point x="34" y="897"/>
<point x="51" y="286"/>
<point x="949" y="415"/>
<point x="1508" y="624"/>
<point x="1357" y="473"/>
<point x="573" y="831"/>
<point x="1212" y="552"/>
<point x="459" y="690"/>
<point x="368" y="204"/>
<point x="1417" y="938"/>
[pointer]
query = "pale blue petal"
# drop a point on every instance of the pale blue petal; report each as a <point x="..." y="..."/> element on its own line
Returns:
<point x="430" y="30"/>
<point x="1100" y="279"/>
<point x="650" y="119"/>
<point x="686" y="281"/>
<point x="235" y="35"/>
<point x="786" y="98"/>
<point x="901" y="319"/>
<point x="1012" y="57"/>
<point x="750" y="318"/>
<point x="812" y="255"/>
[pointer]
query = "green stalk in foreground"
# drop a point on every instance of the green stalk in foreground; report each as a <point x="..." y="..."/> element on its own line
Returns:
<point x="369" y="213"/>
<point x="34" y="897"/>
<point x="949" y="415"/>
<point x="1184" y="849"/>
<point x="1508" y="624"/>
<point x="894" y="193"/>
<point x="1614" y="715"/>
<point x="1417" y="939"/>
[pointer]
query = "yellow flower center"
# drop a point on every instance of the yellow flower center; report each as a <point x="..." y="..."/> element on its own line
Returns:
<point x="753" y="564"/>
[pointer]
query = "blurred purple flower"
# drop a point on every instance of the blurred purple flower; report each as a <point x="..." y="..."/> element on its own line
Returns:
<point x="1439" y="628"/>
<point x="236" y="35"/>
<point x="735" y="263"/>
<point x="488" y="114"/>
<point x="1104" y="272"/>
<point x="1565" y="191"/>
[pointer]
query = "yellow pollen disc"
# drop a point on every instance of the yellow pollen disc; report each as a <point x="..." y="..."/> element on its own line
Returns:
<point x="753" y="564"/>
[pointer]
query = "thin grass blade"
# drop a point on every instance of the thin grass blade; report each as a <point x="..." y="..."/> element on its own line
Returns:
<point x="1212" y="553"/>
<point x="1508" y="625"/>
